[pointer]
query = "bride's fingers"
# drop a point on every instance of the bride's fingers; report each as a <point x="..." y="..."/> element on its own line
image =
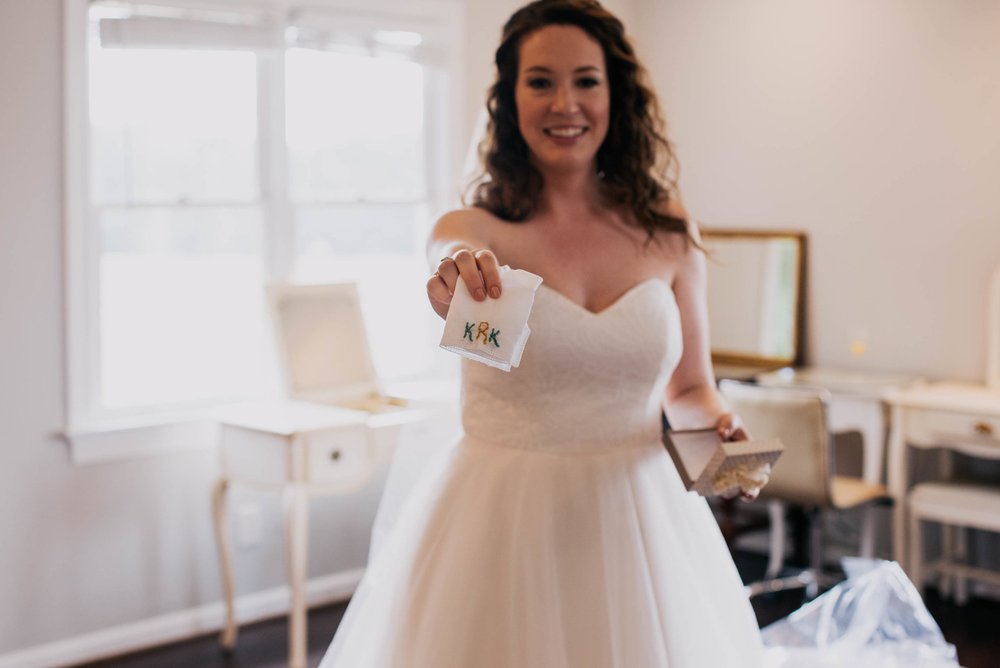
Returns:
<point x="739" y="434"/>
<point x="730" y="428"/>
<point x="469" y="271"/>
<point x="439" y="295"/>
<point x="447" y="271"/>
<point x="724" y="426"/>
<point x="490" y="269"/>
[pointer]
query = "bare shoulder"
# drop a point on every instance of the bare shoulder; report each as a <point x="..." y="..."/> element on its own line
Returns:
<point x="679" y="247"/>
<point x="471" y="224"/>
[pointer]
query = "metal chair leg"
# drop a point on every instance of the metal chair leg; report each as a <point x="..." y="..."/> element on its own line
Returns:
<point x="776" y="559"/>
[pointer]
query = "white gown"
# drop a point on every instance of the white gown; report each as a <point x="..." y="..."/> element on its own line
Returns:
<point x="557" y="533"/>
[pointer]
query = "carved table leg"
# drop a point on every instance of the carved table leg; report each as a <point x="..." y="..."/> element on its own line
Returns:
<point x="228" y="638"/>
<point x="296" y="521"/>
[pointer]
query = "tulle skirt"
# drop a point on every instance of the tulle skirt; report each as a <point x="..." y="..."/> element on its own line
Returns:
<point x="504" y="557"/>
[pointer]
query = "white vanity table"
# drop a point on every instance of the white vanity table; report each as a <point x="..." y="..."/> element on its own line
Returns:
<point x="338" y="429"/>
<point x="754" y="299"/>
<point x="302" y="450"/>
<point x="957" y="417"/>
<point x="299" y="449"/>
<point x="954" y="417"/>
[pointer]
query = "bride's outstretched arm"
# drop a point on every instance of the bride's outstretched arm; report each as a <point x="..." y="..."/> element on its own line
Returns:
<point x="459" y="249"/>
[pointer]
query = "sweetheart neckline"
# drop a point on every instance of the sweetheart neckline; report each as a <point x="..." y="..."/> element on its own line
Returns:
<point x="622" y="297"/>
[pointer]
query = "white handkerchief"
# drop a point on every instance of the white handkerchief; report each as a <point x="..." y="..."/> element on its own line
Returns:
<point x="493" y="331"/>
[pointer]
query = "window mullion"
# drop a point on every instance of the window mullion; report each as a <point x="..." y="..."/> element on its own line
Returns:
<point x="273" y="167"/>
<point x="82" y="245"/>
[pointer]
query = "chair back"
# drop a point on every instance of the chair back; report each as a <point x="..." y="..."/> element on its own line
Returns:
<point x="797" y="416"/>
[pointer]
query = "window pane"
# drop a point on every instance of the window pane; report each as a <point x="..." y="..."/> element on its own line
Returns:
<point x="173" y="126"/>
<point x="355" y="127"/>
<point x="181" y="306"/>
<point x="381" y="248"/>
<point x="343" y="229"/>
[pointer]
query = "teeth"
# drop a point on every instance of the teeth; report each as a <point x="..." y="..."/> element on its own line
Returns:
<point x="565" y="132"/>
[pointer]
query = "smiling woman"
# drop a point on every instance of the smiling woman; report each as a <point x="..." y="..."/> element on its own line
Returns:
<point x="557" y="532"/>
<point x="561" y="104"/>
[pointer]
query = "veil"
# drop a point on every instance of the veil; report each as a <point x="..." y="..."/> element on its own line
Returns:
<point x="422" y="450"/>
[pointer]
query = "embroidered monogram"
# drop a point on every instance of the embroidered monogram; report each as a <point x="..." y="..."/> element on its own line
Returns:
<point x="483" y="326"/>
<point x="481" y="333"/>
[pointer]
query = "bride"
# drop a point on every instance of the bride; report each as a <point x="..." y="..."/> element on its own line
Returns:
<point x="557" y="533"/>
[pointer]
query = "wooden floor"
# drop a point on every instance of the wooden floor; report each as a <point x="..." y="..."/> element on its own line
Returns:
<point x="974" y="629"/>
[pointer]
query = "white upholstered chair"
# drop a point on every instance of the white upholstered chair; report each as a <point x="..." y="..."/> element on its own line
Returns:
<point x="803" y="475"/>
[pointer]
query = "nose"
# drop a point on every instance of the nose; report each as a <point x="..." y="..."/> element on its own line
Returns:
<point x="564" y="101"/>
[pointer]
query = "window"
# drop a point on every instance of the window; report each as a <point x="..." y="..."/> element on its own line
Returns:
<point x="212" y="150"/>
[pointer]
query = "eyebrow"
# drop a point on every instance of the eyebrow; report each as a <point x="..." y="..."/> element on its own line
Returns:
<point x="585" y="68"/>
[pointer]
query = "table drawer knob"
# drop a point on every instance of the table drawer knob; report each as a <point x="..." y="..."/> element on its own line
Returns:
<point x="983" y="428"/>
<point x="335" y="455"/>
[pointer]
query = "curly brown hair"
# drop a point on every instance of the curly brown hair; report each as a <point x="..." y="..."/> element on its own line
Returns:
<point x="636" y="161"/>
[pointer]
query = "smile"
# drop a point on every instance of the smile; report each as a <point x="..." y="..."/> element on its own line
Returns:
<point x="565" y="132"/>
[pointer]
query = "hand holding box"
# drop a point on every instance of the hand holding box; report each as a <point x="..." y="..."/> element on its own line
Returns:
<point x="710" y="466"/>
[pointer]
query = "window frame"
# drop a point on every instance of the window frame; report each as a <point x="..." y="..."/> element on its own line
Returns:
<point x="95" y="435"/>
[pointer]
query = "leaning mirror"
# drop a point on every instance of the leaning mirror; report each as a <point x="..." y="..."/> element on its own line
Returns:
<point x="755" y="281"/>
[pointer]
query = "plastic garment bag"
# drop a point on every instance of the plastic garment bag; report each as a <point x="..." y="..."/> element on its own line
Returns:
<point x="875" y="619"/>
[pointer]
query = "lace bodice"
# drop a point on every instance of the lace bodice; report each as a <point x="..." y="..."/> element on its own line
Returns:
<point x="587" y="381"/>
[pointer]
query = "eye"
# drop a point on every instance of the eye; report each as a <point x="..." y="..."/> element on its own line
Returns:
<point x="587" y="82"/>
<point x="538" y="83"/>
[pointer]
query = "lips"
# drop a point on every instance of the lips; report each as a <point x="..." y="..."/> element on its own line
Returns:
<point x="566" y="132"/>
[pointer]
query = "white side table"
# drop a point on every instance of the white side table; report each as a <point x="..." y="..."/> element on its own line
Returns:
<point x="959" y="417"/>
<point x="300" y="449"/>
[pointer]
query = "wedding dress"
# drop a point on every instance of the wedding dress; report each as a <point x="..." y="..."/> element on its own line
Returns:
<point x="557" y="533"/>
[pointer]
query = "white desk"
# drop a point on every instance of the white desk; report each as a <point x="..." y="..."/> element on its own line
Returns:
<point x="304" y="449"/>
<point x="957" y="416"/>
<point x="299" y="449"/>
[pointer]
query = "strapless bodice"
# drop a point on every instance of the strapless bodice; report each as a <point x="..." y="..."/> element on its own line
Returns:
<point x="587" y="381"/>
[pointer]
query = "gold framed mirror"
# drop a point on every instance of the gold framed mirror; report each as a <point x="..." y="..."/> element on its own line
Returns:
<point x="755" y="297"/>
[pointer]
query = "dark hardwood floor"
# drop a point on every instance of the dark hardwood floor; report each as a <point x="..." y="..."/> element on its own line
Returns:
<point x="974" y="629"/>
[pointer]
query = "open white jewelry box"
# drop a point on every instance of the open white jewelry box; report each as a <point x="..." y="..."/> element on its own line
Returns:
<point x="702" y="458"/>
<point x="325" y="357"/>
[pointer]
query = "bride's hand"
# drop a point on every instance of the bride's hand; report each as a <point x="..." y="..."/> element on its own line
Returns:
<point x="730" y="428"/>
<point x="479" y="270"/>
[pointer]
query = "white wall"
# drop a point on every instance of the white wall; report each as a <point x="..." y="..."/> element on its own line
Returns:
<point x="870" y="125"/>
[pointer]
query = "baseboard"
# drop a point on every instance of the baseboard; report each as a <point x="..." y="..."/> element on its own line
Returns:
<point x="178" y="626"/>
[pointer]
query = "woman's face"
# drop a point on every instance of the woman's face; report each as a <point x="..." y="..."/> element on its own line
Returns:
<point x="562" y="96"/>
